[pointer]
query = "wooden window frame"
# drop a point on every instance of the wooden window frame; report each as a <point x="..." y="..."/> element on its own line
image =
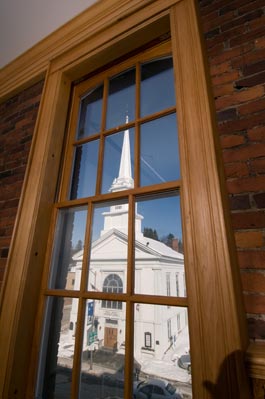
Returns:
<point x="99" y="36"/>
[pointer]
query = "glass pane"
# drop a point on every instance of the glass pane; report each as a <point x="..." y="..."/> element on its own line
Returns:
<point x="157" y="86"/>
<point x="90" y="113"/>
<point x="85" y="170"/>
<point x="159" y="159"/>
<point x="69" y="241"/>
<point x="108" y="255"/>
<point x="162" y="350"/>
<point x="121" y="100"/>
<point x="118" y="162"/>
<point x="56" y="360"/>
<point x="159" y="259"/>
<point x="103" y="351"/>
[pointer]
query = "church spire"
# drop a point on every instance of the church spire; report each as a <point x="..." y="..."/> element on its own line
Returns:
<point x="124" y="181"/>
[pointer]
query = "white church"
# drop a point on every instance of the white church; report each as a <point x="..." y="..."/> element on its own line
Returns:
<point x="159" y="270"/>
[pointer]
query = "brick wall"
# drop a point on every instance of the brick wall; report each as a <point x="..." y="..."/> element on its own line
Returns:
<point x="17" y="121"/>
<point x="235" y="40"/>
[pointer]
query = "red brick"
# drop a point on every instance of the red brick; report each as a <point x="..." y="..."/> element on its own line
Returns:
<point x="225" y="78"/>
<point x="258" y="165"/>
<point x="254" y="303"/>
<point x="220" y="68"/>
<point x="237" y="169"/>
<point x="254" y="80"/>
<point x="248" y="122"/>
<point x="214" y="20"/>
<point x="239" y="202"/>
<point x="226" y="36"/>
<point x="222" y="5"/>
<point x="239" y="97"/>
<point x="260" y="42"/>
<point x="248" y="58"/>
<point x="257" y="134"/>
<point x="251" y="5"/>
<point x="232" y="53"/>
<point x="251" y="259"/>
<point x="248" y="220"/>
<point x="228" y="114"/>
<point x="259" y="200"/>
<point x="258" y="23"/>
<point x="252" y="107"/>
<point x="247" y="184"/>
<point x="249" y="239"/>
<point x="244" y="153"/>
<point x="223" y="90"/>
<point x="232" y="140"/>
<point x="256" y="327"/>
<point x="250" y="36"/>
<point x="242" y="19"/>
<point x="253" y="282"/>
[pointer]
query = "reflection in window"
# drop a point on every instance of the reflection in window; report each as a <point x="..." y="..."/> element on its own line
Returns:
<point x="157" y="86"/>
<point x="70" y="236"/>
<point x="85" y="170"/>
<point x="121" y="100"/>
<point x="148" y="340"/>
<point x="58" y="348"/>
<point x="159" y="151"/>
<point x="90" y="113"/>
<point x="112" y="284"/>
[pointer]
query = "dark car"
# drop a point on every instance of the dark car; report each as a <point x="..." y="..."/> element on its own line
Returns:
<point x="184" y="362"/>
<point x="155" y="389"/>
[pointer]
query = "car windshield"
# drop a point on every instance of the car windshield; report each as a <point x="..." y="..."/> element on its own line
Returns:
<point x="170" y="389"/>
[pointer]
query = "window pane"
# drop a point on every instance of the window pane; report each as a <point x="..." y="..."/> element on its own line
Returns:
<point x="85" y="170"/>
<point x="69" y="240"/>
<point x="103" y="352"/>
<point x="108" y="255"/>
<point x="157" y="86"/>
<point x="121" y="100"/>
<point x="56" y="361"/>
<point x="90" y="113"/>
<point x="166" y="357"/>
<point x="118" y="162"/>
<point x="158" y="246"/>
<point x="159" y="159"/>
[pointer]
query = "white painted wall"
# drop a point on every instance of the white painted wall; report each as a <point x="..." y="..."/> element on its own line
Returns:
<point x="23" y="23"/>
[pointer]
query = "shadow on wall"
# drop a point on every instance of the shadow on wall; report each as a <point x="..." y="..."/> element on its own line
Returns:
<point x="232" y="370"/>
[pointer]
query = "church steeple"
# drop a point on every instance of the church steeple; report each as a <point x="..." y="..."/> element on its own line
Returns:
<point x="117" y="216"/>
<point x="124" y="181"/>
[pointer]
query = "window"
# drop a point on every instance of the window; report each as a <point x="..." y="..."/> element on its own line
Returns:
<point x="148" y="340"/>
<point x="84" y="188"/>
<point x="177" y="284"/>
<point x="124" y="139"/>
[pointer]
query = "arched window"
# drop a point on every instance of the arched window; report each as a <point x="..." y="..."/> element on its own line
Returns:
<point x="112" y="284"/>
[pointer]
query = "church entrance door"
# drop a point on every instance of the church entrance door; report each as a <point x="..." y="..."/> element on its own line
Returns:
<point x="110" y="340"/>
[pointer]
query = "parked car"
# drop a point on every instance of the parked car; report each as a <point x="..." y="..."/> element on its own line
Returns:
<point x="184" y="362"/>
<point x="155" y="389"/>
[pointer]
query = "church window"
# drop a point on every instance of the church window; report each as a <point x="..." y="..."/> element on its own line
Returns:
<point x="112" y="284"/>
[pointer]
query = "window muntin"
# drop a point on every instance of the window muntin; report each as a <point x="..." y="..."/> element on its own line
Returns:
<point x="123" y="200"/>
